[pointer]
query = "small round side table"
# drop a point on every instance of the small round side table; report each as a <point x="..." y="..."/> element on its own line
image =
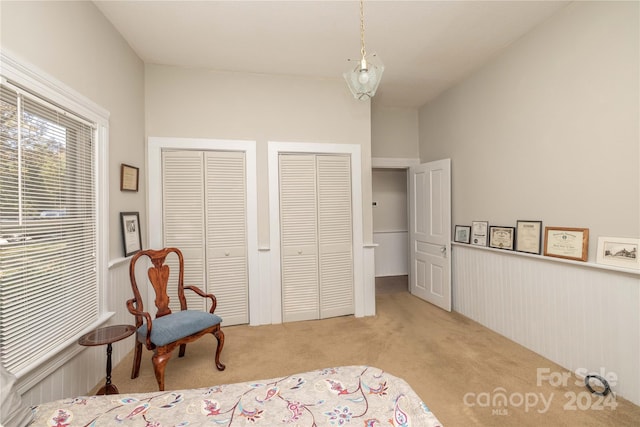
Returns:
<point x="107" y="335"/>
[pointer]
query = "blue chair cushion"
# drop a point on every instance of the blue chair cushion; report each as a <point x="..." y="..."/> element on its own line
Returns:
<point x="172" y="327"/>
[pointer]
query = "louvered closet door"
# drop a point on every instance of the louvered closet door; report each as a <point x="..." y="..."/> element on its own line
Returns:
<point x="183" y="220"/>
<point x="316" y="236"/>
<point x="335" y="235"/>
<point x="298" y="235"/>
<point x="225" y="214"/>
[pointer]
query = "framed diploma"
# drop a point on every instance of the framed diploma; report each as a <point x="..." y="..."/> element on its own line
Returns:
<point x="131" y="235"/>
<point x="529" y="236"/>
<point x="463" y="234"/>
<point x="501" y="237"/>
<point x="618" y="252"/>
<point x="479" y="231"/>
<point x="569" y="243"/>
<point x="128" y="178"/>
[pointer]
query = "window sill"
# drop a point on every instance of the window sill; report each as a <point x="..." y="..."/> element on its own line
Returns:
<point x="552" y="259"/>
<point x="117" y="261"/>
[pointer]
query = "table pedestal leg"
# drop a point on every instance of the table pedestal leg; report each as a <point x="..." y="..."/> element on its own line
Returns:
<point x="108" y="388"/>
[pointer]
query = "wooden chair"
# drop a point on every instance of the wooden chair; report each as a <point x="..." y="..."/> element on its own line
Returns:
<point x="169" y="330"/>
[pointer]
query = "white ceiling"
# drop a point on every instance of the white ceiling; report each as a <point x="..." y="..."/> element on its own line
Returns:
<point x="426" y="46"/>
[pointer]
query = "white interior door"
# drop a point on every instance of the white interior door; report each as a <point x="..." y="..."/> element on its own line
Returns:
<point x="205" y="216"/>
<point x="316" y="236"/>
<point x="299" y="237"/>
<point x="430" y="232"/>
<point x="226" y="234"/>
<point x="183" y="221"/>
<point x="335" y="238"/>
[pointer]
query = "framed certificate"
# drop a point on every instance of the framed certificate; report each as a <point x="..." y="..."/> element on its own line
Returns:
<point x="501" y="237"/>
<point x="462" y="234"/>
<point x="129" y="177"/>
<point x="529" y="236"/>
<point x="479" y="231"/>
<point x="569" y="243"/>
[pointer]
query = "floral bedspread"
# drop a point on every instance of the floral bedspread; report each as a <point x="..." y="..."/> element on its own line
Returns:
<point x="345" y="396"/>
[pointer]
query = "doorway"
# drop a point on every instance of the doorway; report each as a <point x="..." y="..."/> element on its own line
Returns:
<point x="391" y="228"/>
<point x="412" y="211"/>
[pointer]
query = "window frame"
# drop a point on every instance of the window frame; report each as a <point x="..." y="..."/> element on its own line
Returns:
<point x="16" y="72"/>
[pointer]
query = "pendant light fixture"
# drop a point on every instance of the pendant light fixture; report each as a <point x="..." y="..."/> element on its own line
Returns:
<point x="364" y="78"/>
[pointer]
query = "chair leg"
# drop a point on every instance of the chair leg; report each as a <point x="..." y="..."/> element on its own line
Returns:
<point x="160" y="360"/>
<point x="183" y="347"/>
<point x="220" y="337"/>
<point x="137" y="355"/>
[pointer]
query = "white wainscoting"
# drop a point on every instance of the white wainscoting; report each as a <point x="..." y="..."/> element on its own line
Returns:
<point x="392" y="253"/>
<point x="579" y="316"/>
<point x="87" y="368"/>
<point x="368" y="274"/>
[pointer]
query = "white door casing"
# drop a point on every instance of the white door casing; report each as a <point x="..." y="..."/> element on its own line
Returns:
<point x="430" y="232"/>
<point x="363" y="301"/>
<point x="155" y="220"/>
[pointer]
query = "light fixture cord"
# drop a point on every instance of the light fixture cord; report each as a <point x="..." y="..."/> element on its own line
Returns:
<point x="363" y="52"/>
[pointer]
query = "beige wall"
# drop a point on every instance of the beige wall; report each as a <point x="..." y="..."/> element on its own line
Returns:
<point x="394" y="132"/>
<point x="550" y="129"/>
<point x="74" y="43"/>
<point x="196" y="103"/>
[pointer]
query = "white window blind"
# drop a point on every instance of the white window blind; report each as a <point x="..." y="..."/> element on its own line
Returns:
<point x="48" y="270"/>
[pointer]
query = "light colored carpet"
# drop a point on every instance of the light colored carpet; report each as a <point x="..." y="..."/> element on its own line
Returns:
<point x="456" y="366"/>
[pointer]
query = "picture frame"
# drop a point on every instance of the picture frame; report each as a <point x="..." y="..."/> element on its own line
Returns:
<point x="131" y="234"/>
<point x="618" y="252"/>
<point x="462" y="234"/>
<point x="502" y="237"/>
<point x="129" y="177"/>
<point x="566" y="242"/>
<point x="479" y="233"/>
<point x="529" y="236"/>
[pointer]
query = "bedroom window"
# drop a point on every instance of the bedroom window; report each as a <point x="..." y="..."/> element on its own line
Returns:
<point x="50" y="267"/>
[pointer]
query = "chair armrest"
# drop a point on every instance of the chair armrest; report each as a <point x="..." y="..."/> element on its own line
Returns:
<point x="139" y="315"/>
<point x="200" y="292"/>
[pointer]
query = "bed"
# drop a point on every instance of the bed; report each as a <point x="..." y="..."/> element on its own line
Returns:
<point x="342" y="396"/>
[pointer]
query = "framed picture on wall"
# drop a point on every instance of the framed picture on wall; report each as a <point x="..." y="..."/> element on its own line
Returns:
<point x="529" y="236"/>
<point x="565" y="242"/>
<point x="618" y="252"/>
<point x="131" y="235"/>
<point x="501" y="237"/>
<point x="462" y="234"/>
<point x="129" y="178"/>
<point x="479" y="230"/>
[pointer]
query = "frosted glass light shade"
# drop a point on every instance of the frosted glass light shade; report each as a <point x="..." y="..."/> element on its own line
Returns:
<point x="363" y="79"/>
